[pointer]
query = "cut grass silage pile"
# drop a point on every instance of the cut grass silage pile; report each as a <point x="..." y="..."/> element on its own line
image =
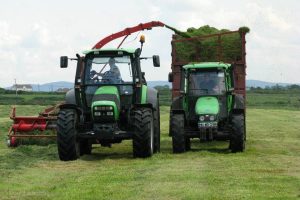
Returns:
<point x="207" y="48"/>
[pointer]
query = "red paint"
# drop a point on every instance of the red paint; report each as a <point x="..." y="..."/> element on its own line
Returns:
<point x="126" y="32"/>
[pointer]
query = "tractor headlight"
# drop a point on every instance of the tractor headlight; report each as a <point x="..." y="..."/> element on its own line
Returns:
<point x="97" y="114"/>
<point x="97" y="108"/>
<point x="110" y="113"/>
<point x="201" y="118"/>
<point x="207" y="118"/>
<point x="104" y="108"/>
<point x="102" y="111"/>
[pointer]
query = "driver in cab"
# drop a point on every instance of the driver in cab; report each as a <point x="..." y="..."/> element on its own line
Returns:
<point x="113" y="75"/>
<point x="209" y="83"/>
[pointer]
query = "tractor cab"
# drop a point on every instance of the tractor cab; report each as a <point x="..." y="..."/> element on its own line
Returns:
<point x="206" y="82"/>
<point x="113" y="71"/>
<point x="205" y="87"/>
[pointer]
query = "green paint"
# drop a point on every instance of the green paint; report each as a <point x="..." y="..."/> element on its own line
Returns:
<point x="107" y="90"/>
<point x="228" y="85"/>
<point x="129" y="50"/>
<point x="211" y="65"/>
<point x="207" y="105"/>
<point x="207" y="65"/>
<point x="144" y="94"/>
<point x="185" y="104"/>
<point x="107" y="103"/>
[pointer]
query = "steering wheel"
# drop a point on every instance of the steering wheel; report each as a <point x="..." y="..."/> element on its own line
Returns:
<point x="105" y="77"/>
<point x="94" y="75"/>
<point x="106" y="73"/>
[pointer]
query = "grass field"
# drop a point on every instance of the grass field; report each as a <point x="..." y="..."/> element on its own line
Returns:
<point x="31" y="99"/>
<point x="269" y="169"/>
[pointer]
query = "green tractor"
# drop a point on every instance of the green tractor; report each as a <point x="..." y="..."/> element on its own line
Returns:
<point x="110" y="102"/>
<point x="207" y="107"/>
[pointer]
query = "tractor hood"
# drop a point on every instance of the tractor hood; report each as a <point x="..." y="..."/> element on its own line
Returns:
<point x="104" y="98"/>
<point x="207" y="105"/>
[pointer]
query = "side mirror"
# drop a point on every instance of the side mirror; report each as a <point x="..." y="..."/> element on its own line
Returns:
<point x="63" y="61"/>
<point x="170" y="78"/>
<point x="156" y="61"/>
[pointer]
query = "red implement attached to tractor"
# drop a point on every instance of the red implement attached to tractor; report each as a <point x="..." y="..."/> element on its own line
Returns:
<point x="34" y="126"/>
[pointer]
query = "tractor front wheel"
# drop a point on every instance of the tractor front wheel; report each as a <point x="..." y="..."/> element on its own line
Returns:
<point x="237" y="139"/>
<point x="143" y="137"/>
<point x="178" y="139"/>
<point x="68" y="147"/>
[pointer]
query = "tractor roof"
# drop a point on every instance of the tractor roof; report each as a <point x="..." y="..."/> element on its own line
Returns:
<point x="127" y="50"/>
<point x="205" y="65"/>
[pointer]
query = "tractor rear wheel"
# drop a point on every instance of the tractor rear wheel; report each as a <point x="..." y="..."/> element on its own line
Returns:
<point x="237" y="139"/>
<point x="156" y="116"/>
<point x="178" y="139"/>
<point x="68" y="147"/>
<point x="143" y="137"/>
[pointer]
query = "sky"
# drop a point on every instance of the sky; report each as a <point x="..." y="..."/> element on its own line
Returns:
<point x="34" y="34"/>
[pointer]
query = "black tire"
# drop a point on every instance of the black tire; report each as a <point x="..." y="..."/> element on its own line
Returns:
<point x="237" y="139"/>
<point x="85" y="147"/>
<point x="170" y="123"/>
<point x="143" y="137"/>
<point x="187" y="144"/>
<point x="178" y="139"/>
<point x="156" y="118"/>
<point x="68" y="147"/>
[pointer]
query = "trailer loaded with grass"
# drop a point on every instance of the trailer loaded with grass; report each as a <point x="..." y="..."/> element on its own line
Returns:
<point x="208" y="88"/>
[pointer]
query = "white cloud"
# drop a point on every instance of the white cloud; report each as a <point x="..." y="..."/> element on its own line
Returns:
<point x="7" y="38"/>
<point x="31" y="45"/>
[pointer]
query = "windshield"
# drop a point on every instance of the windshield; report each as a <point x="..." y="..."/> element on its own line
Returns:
<point x="206" y="83"/>
<point x="108" y="70"/>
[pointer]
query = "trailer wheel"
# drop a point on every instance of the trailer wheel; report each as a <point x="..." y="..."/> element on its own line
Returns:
<point x="237" y="139"/>
<point x="178" y="139"/>
<point x="143" y="136"/>
<point x="68" y="147"/>
<point x="156" y="118"/>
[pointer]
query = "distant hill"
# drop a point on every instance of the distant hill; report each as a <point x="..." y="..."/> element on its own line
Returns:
<point x="249" y="83"/>
<point x="49" y="87"/>
<point x="156" y="83"/>
<point x="263" y="84"/>
<point x="53" y="86"/>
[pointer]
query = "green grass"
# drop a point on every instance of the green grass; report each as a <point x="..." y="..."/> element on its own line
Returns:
<point x="269" y="169"/>
<point x="288" y="100"/>
<point x="34" y="98"/>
